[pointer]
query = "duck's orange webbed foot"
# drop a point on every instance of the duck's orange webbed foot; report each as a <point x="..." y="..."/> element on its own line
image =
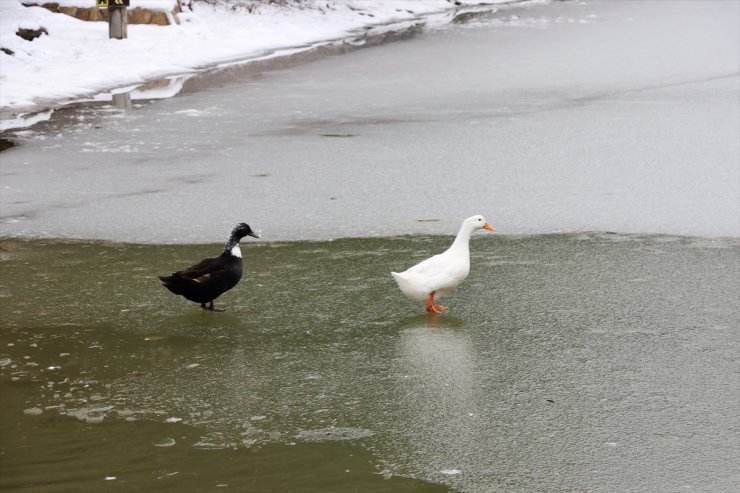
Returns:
<point x="436" y="309"/>
<point x="431" y="307"/>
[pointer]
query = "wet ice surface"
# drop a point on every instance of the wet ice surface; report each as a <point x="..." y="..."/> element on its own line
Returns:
<point x="567" y="362"/>
<point x="618" y="116"/>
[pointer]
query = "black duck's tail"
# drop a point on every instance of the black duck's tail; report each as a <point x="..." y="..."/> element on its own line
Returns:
<point x="173" y="283"/>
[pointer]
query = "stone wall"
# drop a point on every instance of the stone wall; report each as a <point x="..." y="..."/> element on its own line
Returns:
<point x="134" y="16"/>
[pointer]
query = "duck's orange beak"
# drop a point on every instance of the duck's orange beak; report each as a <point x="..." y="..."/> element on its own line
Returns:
<point x="489" y="227"/>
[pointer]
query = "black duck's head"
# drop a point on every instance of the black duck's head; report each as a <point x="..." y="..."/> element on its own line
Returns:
<point x="241" y="230"/>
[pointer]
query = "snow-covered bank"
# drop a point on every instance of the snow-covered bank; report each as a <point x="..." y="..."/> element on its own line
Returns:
<point x="76" y="59"/>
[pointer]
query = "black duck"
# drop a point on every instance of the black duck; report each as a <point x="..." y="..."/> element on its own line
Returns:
<point x="211" y="277"/>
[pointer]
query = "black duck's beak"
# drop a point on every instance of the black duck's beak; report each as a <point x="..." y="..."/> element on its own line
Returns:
<point x="253" y="234"/>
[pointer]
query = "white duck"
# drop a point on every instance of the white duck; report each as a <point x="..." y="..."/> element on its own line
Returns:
<point x="438" y="275"/>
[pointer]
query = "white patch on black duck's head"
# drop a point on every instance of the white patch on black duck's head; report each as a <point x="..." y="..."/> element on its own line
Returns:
<point x="240" y="231"/>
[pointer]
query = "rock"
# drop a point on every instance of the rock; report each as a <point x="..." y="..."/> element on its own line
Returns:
<point x="134" y="16"/>
<point x="53" y="6"/>
<point x="97" y="15"/>
<point x="139" y="16"/>
<point x="71" y="11"/>
<point x="31" y="34"/>
<point x="160" y="18"/>
<point x="5" y="143"/>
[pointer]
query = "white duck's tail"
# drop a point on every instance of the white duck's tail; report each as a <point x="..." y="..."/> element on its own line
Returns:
<point x="408" y="287"/>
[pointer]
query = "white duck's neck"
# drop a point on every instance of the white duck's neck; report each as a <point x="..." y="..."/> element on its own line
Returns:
<point x="462" y="240"/>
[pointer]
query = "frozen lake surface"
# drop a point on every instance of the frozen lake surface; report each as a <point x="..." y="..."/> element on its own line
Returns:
<point x="611" y="116"/>
<point x="598" y="361"/>
<point x="589" y="362"/>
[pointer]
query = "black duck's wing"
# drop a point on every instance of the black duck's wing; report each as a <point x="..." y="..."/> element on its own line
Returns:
<point x="205" y="280"/>
<point x="202" y="271"/>
<point x="205" y="271"/>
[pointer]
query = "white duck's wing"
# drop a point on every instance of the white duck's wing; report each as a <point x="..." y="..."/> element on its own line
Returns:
<point x="442" y="272"/>
<point x="431" y="266"/>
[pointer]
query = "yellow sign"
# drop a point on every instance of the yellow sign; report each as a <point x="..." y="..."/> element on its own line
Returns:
<point x="111" y="3"/>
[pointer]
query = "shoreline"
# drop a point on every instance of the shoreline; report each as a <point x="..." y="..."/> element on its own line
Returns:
<point x="361" y="36"/>
<point x="614" y="236"/>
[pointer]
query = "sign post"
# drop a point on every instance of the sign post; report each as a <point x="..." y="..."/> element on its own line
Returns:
<point x="117" y="18"/>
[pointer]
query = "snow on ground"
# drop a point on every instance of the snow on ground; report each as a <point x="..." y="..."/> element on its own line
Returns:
<point x="76" y="59"/>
